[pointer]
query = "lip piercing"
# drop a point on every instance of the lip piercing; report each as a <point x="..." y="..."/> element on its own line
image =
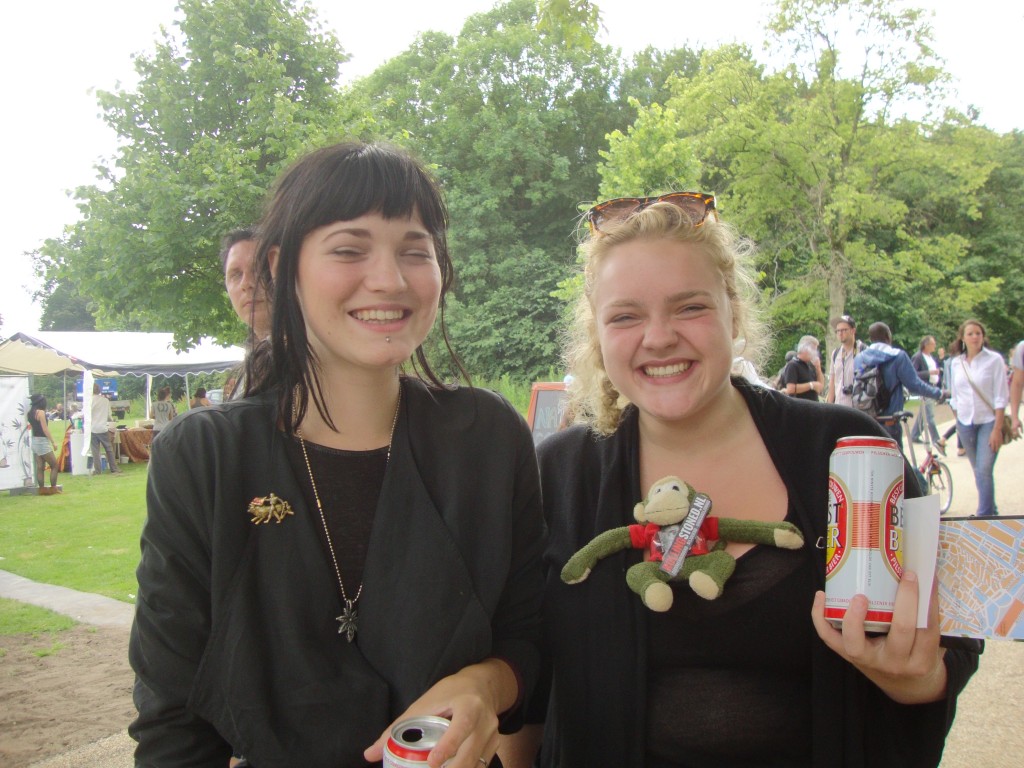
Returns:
<point x="387" y="339"/>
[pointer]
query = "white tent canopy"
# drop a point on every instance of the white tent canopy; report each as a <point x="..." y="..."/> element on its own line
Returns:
<point x="112" y="353"/>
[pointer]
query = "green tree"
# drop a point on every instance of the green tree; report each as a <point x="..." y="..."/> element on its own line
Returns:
<point x="66" y="310"/>
<point x="513" y="119"/>
<point x="997" y="244"/>
<point x="64" y="307"/>
<point x="222" y="105"/>
<point x="575" y="21"/>
<point x="815" y="162"/>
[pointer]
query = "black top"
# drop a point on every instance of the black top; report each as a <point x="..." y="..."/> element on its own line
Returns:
<point x="711" y="661"/>
<point x="597" y="633"/>
<point x="798" y="371"/>
<point x="235" y="642"/>
<point x="349" y="484"/>
<point x="921" y="366"/>
<point x="35" y="423"/>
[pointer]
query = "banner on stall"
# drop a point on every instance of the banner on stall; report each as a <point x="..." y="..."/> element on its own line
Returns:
<point x="16" y="469"/>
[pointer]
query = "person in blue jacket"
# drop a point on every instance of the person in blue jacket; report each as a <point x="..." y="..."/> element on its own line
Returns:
<point x="897" y="372"/>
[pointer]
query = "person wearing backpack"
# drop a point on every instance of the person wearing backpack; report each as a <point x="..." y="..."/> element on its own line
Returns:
<point x="896" y="372"/>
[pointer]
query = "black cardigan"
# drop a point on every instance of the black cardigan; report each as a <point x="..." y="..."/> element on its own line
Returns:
<point x="235" y="640"/>
<point x="596" y="632"/>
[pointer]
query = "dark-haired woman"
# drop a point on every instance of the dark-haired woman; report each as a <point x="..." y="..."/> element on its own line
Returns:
<point x="43" y="446"/>
<point x="350" y="545"/>
<point x="200" y="400"/>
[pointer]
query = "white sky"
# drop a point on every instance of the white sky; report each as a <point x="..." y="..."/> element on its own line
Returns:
<point x="55" y="52"/>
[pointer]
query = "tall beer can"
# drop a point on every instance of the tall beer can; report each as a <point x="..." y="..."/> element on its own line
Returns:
<point x="411" y="740"/>
<point x="864" y="549"/>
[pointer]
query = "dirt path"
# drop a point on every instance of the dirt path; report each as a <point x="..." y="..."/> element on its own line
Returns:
<point x="63" y="691"/>
<point x="1009" y="473"/>
<point x="71" y="708"/>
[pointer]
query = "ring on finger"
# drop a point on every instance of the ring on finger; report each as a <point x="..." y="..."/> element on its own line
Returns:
<point x="483" y="762"/>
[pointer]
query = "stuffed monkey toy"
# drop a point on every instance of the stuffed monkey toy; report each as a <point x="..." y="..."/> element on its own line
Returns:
<point x="707" y="567"/>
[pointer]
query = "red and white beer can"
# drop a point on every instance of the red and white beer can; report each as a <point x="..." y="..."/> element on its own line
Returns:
<point x="411" y="740"/>
<point x="864" y="549"/>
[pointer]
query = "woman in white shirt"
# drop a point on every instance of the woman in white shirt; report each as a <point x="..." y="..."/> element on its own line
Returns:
<point x="979" y="395"/>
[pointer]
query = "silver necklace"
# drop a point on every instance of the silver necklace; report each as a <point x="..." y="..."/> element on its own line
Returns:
<point x="348" y="621"/>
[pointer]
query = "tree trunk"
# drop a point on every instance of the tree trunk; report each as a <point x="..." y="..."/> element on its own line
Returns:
<point x="836" y="298"/>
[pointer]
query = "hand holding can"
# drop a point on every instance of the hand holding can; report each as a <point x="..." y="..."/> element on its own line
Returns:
<point x="864" y="548"/>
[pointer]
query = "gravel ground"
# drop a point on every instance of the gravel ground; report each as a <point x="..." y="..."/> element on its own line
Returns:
<point x="987" y="732"/>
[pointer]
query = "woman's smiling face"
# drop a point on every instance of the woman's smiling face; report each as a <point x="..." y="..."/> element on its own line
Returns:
<point x="665" y="326"/>
<point x="369" y="290"/>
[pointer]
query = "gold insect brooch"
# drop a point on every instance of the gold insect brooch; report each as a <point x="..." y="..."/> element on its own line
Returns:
<point x="266" y="508"/>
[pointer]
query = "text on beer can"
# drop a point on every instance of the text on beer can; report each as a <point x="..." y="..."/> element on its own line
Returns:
<point x="864" y="546"/>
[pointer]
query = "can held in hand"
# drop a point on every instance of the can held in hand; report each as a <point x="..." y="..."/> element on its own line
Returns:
<point x="864" y="549"/>
<point x="411" y="740"/>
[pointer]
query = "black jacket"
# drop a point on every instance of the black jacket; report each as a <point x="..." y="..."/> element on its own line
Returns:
<point x="921" y="366"/>
<point x="596" y="631"/>
<point x="235" y="640"/>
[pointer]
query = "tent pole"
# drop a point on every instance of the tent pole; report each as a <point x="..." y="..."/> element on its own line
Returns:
<point x="87" y="425"/>
<point x="188" y="395"/>
<point x="149" y="394"/>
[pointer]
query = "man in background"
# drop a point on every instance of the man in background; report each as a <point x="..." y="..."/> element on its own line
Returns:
<point x="840" y="374"/>
<point x="99" y="437"/>
<point x="1016" y="385"/>
<point x="803" y="376"/>
<point x="237" y="258"/>
<point x="238" y="251"/>
<point x="927" y="368"/>
<point x="897" y="372"/>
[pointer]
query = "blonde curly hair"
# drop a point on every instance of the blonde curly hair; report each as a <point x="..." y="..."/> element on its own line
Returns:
<point x="592" y="396"/>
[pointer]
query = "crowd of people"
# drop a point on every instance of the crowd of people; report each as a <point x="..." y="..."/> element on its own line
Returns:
<point x="347" y="541"/>
<point x="100" y="424"/>
<point x="974" y="380"/>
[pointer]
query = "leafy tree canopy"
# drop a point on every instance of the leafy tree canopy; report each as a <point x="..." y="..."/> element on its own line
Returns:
<point x="864" y="198"/>
<point x="512" y="119"/>
<point x="222" y="105"/>
<point x="856" y="208"/>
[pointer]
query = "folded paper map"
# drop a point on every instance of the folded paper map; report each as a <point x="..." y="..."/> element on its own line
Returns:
<point x="981" y="577"/>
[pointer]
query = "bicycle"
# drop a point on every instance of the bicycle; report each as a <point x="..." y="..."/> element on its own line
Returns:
<point x="935" y="476"/>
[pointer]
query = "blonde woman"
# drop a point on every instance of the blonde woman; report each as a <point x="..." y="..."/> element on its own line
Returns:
<point x="756" y="676"/>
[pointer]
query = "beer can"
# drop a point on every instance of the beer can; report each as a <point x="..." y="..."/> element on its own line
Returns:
<point x="411" y="740"/>
<point x="864" y="549"/>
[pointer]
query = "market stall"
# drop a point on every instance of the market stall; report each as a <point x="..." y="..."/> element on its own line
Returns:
<point x="89" y="354"/>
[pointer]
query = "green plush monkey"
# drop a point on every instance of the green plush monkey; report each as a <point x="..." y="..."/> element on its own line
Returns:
<point x="707" y="567"/>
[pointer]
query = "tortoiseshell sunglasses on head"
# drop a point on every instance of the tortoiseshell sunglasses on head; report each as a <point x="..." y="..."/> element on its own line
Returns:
<point x="697" y="205"/>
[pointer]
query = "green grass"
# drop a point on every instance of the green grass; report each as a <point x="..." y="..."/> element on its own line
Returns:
<point x="86" y="538"/>
<point x="20" y="618"/>
<point x="517" y="393"/>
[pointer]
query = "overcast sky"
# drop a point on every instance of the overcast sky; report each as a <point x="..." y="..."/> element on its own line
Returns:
<point x="55" y="52"/>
